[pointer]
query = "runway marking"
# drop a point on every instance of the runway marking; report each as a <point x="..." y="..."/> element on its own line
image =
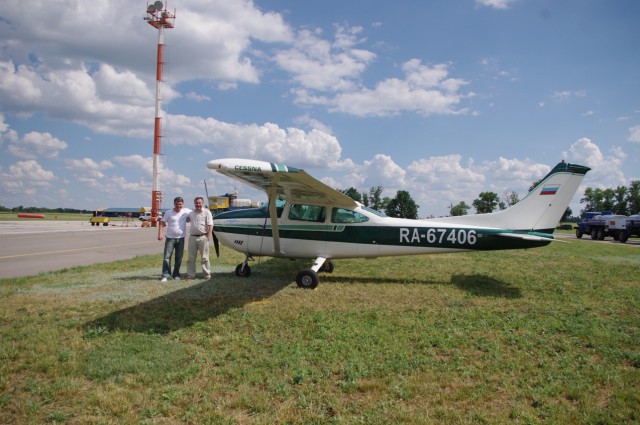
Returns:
<point x="73" y="250"/>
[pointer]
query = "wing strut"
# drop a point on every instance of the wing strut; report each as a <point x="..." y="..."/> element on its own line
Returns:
<point x="273" y="213"/>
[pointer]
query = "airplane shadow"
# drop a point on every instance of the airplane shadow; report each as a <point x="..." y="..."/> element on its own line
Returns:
<point x="479" y="285"/>
<point x="485" y="286"/>
<point x="189" y="305"/>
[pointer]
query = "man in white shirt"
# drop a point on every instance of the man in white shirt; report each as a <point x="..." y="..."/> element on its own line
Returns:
<point x="199" y="235"/>
<point x="175" y="221"/>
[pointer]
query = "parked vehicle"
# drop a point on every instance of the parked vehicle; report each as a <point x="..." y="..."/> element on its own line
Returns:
<point x="146" y="216"/>
<point x="585" y="225"/>
<point x="632" y="228"/>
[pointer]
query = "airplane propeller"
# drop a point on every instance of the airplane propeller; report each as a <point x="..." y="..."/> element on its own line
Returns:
<point x="216" y="244"/>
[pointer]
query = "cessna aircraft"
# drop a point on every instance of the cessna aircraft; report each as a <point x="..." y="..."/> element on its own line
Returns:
<point x="306" y="219"/>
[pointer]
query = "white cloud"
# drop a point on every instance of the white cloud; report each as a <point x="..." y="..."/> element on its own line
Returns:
<point x="496" y="4"/>
<point x="318" y="64"/>
<point x="516" y="172"/>
<point x="89" y="167"/>
<point x="25" y="177"/>
<point x="425" y="90"/>
<point x="197" y="97"/>
<point x="565" y="95"/>
<point x="606" y="170"/>
<point x="634" y="134"/>
<point x="36" y="145"/>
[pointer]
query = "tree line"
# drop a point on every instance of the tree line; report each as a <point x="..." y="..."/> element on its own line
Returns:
<point x="23" y="209"/>
<point x="402" y="205"/>
<point x="622" y="200"/>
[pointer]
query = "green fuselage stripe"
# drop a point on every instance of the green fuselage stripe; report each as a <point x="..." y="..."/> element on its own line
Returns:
<point x="456" y="238"/>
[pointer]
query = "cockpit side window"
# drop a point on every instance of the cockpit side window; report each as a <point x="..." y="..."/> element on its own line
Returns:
<point x="341" y="215"/>
<point x="304" y="212"/>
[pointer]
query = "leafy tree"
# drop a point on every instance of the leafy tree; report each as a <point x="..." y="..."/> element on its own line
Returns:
<point x="620" y="201"/>
<point x="534" y="184"/>
<point x="608" y="201"/>
<point x="375" y="201"/>
<point x="353" y="193"/>
<point x="402" y="206"/>
<point x="633" y="197"/>
<point x="511" y="198"/>
<point x="593" y="199"/>
<point x="460" y="209"/>
<point x="385" y="203"/>
<point x="486" y="203"/>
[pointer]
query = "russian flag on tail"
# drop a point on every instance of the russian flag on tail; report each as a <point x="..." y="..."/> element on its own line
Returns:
<point x="550" y="189"/>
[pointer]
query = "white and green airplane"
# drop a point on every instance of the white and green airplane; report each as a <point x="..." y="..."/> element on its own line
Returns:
<point x="306" y="219"/>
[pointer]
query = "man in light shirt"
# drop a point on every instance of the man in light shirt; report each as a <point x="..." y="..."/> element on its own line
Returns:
<point x="200" y="233"/>
<point x="175" y="221"/>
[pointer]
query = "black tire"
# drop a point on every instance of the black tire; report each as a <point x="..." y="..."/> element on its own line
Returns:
<point x="243" y="271"/>
<point x="105" y="224"/>
<point x="594" y="234"/>
<point x="327" y="267"/>
<point x="578" y="234"/>
<point x="307" y="279"/>
<point x="600" y="234"/>
<point x="624" y="236"/>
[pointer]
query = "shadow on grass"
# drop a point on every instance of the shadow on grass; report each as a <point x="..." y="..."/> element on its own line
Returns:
<point x="188" y="305"/>
<point x="479" y="285"/>
<point x="375" y="280"/>
<point x="485" y="286"/>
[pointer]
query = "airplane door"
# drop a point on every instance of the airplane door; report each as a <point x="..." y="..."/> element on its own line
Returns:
<point x="303" y="231"/>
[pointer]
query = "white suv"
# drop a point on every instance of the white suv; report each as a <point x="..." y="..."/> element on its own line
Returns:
<point x="146" y="216"/>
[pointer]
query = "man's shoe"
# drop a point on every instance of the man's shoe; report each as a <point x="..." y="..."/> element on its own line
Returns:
<point x="164" y="279"/>
<point x="207" y="277"/>
<point x="177" y="278"/>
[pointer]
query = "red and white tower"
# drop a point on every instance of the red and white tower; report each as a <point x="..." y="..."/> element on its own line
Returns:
<point x="160" y="18"/>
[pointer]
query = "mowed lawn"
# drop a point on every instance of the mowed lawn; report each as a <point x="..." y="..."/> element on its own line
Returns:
<point x="549" y="335"/>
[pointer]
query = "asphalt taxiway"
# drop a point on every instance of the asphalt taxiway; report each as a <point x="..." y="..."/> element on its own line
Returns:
<point x="31" y="247"/>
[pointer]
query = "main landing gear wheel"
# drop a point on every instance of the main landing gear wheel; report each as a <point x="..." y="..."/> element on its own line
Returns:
<point x="243" y="270"/>
<point x="307" y="279"/>
<point x="327" y="267"/>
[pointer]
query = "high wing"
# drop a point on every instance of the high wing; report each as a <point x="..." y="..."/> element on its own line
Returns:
<point x="280" y="181"/>
<point x="292" y="184"/>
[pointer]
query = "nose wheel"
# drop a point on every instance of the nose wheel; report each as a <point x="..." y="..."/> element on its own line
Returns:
<point x="243" y="269"/>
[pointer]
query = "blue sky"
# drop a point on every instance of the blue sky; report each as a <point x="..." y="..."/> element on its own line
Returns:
<point x="444" y="99"/>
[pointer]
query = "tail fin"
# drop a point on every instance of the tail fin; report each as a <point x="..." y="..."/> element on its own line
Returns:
<point x="541" y="209"/>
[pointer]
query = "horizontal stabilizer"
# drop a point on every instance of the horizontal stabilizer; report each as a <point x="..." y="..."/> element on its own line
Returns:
<point x="526" y="236"/>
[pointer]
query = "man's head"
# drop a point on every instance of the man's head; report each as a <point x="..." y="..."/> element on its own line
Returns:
<point x="198" y="202"/>
<point x="177" y="203"/>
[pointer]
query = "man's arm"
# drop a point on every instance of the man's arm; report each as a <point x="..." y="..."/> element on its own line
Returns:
<point x="161" y="224"/>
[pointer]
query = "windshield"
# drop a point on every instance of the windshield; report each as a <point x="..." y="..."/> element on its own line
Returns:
<point x="376" y="212"/>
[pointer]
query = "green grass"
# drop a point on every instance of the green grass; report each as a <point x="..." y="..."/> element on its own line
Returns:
<point x="550" y="335"/>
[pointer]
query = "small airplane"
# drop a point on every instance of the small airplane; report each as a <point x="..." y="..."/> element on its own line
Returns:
<point x="306" y="219"/>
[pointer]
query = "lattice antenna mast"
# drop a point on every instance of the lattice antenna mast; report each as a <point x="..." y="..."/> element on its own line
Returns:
<point x="160" y="18"/>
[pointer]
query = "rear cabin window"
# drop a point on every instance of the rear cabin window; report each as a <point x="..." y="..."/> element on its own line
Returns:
<point x="303" y="212"/>
<point x="340" y="215"/>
